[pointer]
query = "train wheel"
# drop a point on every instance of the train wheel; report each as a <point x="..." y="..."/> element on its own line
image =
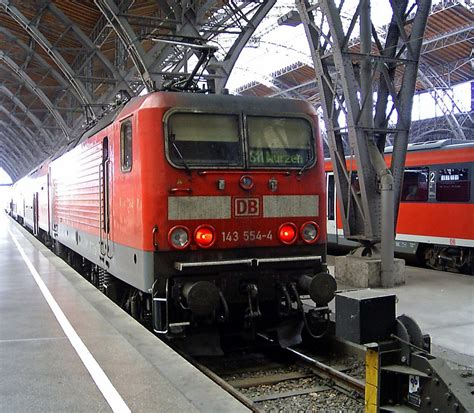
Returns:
<point x="431" y="258"/>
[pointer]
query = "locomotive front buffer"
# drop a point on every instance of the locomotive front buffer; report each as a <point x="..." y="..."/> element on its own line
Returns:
<point x="401" y="373"/>
<point x="236" y="292"/>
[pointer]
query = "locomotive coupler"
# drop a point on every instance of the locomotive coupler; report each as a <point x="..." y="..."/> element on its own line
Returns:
<point x="253" y="310"/>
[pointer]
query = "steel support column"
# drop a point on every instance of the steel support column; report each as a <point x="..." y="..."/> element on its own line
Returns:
<point x="368" y="191"/>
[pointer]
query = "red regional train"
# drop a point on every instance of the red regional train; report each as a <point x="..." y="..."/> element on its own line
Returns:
<point x="436" y="218"/>
<point x="197" y="213"/>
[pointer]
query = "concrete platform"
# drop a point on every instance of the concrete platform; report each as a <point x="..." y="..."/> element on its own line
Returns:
<point x="41" y="370"/>
<point x="442" y="303"/>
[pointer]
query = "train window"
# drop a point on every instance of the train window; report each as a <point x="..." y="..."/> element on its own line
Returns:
<point x="200" y="139"/>
<point x="415" y="185"/>
<point x="453" y="185"/>
<point x="280" y="142"/>
<point x="126" y="146"/>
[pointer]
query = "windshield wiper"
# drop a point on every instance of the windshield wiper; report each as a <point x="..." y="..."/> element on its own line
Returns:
<point x="305" y="166"/>
<point x="188" y="169"/>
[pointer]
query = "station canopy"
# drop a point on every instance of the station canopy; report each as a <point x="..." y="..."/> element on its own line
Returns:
<point x="63" y="63"/>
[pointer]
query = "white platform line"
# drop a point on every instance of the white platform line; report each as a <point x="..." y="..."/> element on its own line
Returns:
<point x="107" y="389"/>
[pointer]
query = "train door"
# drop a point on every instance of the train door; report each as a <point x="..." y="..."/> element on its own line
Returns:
<point x="52" y="196"/>
<point x="35" y="213"/>
<point x="105" y="199"/>
<point x="331" y="208"/>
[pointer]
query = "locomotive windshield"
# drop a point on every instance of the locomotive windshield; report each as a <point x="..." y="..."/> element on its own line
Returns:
<point x="213" y="140"/>
<point x="282" y="142"/>
<point x="198" y="139"/>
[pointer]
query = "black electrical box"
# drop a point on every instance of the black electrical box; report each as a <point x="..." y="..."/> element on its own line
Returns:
<point x="365" y="316"/>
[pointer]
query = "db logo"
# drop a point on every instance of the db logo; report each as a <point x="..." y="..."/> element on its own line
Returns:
<point x="246" y="207"/>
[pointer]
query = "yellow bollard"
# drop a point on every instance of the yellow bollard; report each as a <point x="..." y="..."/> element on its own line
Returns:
<point x="372" y="379"/>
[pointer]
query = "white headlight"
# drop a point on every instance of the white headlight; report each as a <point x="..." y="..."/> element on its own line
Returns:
<point x="309" y="232"/>
<point x="178" y="237"/>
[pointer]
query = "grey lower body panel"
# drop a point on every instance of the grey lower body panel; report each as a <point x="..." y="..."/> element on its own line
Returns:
<point x="133" y="266"/>
<point x="401" y="247"/>
<point x="406" y="247"/>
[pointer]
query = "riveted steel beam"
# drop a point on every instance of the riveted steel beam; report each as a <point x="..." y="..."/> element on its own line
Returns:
<point x="35" y="89"/>
<point x="456" y="36"/>
<point x="26" y="132"/>
<point x="57" y="58"/>
<point x="128" y="38"/>
<point x="42" y="62"/>
<point x="32" y="117"/>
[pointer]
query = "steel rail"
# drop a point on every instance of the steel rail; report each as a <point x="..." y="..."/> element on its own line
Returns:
<point x="340" y="378"/>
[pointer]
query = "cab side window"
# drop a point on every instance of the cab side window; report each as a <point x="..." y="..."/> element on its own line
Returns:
<point x="415" y="185"/>
<point x="126" y="146"/>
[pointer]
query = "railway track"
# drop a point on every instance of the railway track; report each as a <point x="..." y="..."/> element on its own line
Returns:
<point x="274" y="379"/>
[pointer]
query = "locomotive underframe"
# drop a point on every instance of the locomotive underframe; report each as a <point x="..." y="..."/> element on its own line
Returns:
<point x="255" y="289"/>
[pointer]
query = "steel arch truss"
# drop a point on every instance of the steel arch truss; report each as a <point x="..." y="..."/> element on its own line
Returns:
<point x="73" y="59"/>
<point x="35" y="89"/>
<point x="30" y="115"/>
<point x="68" y="60"/>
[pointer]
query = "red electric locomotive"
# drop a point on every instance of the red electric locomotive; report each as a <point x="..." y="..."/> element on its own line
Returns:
<point x="198" y="212"/>
<point x="436" y="218"/>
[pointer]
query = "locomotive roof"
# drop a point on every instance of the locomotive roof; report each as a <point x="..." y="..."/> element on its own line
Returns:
<point x="219" y="103"/>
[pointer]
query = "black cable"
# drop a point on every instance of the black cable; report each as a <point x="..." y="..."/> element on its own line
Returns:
<point x="306" y="324"/>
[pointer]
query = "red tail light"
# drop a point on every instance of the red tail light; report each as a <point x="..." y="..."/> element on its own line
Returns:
<point x="287" y="233"/>
<point x="205" y="236"/>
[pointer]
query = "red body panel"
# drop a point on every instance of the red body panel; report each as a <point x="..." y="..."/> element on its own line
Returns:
<point x="75" y="187"/>
<point x="454" y="221"/>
